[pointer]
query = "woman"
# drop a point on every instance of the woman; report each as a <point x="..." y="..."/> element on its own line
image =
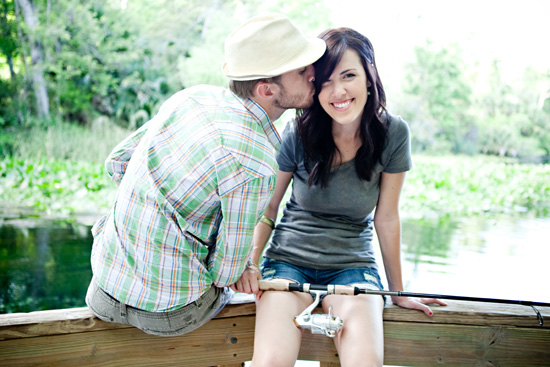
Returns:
<point x="347" y="157"/>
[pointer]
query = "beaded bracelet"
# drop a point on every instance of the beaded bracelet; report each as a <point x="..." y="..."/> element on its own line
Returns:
<point x="267" y="221"/>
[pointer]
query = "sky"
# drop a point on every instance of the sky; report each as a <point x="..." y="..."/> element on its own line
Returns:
<point x="515" y="32"/>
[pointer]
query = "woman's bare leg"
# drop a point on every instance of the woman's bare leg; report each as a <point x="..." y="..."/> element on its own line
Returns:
<point x="277" y="339"/>
<point x="361" y="341"/>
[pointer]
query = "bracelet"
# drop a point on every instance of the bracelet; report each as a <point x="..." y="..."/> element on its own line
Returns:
<point x="267" y="221"/>
<point x="250" y="262"/>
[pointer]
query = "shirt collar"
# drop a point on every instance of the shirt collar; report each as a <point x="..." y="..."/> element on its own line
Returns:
<point x="265" y="122"/>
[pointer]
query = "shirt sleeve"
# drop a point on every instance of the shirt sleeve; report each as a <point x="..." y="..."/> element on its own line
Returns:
<point x="241" y="209"/>
<point x="399" y="147"/>
<point x="117" y="162"/>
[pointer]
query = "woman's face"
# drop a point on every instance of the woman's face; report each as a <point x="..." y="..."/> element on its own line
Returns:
<point x="344" y="95"/>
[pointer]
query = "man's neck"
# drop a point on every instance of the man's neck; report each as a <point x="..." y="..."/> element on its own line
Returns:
<point x="273" y="112"/>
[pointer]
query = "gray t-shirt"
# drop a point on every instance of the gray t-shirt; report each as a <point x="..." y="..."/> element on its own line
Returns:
<point x="332" y="227"/>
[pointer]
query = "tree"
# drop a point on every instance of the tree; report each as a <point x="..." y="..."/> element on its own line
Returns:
<point x="437" y="80"/>
<point x="97" y="58"/>
<point x="511" y="118"/>
<point x="37" y="57"/>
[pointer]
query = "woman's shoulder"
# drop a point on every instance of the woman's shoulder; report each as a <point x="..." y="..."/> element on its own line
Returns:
<point x="397" y="125"/>
<point x="290" y="131"/>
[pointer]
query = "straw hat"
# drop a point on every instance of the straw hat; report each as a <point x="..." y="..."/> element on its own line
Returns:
<point x="267" y="46"/>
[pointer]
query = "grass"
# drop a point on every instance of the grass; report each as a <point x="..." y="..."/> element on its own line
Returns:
<point x="62" y="141"/>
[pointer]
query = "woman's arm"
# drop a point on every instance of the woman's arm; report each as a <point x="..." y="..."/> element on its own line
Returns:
<point x="388" y="228"/>
<point x="248" y="283"/>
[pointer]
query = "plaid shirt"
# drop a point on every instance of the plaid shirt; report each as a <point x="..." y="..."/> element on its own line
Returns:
<point x="204" y="165"/>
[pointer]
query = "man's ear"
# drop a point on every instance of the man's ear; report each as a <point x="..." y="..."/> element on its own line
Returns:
<point x="265" y="90"/>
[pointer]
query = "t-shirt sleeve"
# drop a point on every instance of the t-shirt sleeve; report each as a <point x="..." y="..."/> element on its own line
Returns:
<point x="399" y="146"/>
<point x="287" y="155"/>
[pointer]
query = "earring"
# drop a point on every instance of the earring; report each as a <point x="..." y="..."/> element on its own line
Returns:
<point x="368" y="93"/>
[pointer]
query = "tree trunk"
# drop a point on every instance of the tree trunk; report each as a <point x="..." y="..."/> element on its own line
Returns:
<point x="4" y="24"/>
<point x="37" y="57"/>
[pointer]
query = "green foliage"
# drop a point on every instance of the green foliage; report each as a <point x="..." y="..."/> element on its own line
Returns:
<point x="499" y="135"/>
<point x="436" y="187"/>
<point x="102" y="60"/>
<point x="122" y="63"/>
<point x="463" y="185"/>
<point x="95" y="56"/>
<point x="60" y="188"/>
<point x="452" y="107"/>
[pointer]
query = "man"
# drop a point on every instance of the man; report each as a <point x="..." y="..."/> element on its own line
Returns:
<point x="193" y="183"/>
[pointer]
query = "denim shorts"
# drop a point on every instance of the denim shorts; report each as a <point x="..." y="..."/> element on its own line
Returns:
<point x="365" y="277"/>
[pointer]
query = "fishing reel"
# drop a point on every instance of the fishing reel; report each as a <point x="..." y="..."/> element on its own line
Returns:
<point x="326" y="324"/>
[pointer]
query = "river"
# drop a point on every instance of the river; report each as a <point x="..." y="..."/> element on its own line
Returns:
<point x="44" y="264"/>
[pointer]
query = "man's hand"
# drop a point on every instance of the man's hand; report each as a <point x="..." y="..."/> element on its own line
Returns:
<point x="248" y="282"/>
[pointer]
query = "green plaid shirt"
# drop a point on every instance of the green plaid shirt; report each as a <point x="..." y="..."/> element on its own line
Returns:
<point x="204" y="165"/>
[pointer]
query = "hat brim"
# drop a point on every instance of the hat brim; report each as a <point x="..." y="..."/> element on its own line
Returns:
<point x="312" y="52"/>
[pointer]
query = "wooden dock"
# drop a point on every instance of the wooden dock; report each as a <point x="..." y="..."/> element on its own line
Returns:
<point x="461" y="334"/>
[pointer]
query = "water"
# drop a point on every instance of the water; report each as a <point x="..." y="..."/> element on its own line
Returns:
<point x="499" y="257"/>
<point x="45" y="264"/>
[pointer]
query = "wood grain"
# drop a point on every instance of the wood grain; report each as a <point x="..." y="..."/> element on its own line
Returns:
<point x="461" y="334"/>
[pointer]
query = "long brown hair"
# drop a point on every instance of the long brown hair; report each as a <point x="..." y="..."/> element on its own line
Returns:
<point x="315" y="125"/>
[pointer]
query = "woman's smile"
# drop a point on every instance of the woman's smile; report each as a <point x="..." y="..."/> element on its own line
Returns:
<point x="342" y="106"/>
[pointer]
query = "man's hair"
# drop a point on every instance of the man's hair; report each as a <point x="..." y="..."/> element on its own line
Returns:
<point x="245" y="88"/>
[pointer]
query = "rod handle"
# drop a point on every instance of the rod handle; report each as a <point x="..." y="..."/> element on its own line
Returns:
<point x="269" y="285"/>
<point x="344" y="289"/>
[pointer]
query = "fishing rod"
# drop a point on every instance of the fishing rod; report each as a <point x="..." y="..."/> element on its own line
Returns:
<point x="331" y="325"/>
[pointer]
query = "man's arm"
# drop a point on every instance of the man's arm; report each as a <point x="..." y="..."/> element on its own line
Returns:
<point x="117" y="162"/>
<point x="241" y="210"/>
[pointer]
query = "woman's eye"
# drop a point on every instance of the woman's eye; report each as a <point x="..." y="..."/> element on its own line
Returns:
<point x="349" y="75"/>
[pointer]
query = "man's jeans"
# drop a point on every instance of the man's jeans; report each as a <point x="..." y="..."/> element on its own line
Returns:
<point x="171" y="323"/>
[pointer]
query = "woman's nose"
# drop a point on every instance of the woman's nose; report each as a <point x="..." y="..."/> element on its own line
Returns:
<point x="338" y="89"/>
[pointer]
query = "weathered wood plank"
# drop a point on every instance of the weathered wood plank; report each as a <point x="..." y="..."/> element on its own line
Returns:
<point x="221" y="341"/>
<point x="473" y="313"/>
<point x="462" y="334"/>
<point x="417" y="344"/>
<point x="81" y="319"/>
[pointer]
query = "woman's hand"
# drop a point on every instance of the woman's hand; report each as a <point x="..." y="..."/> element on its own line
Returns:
<point x="417" y="303"/>
<point x="248" y="282"/>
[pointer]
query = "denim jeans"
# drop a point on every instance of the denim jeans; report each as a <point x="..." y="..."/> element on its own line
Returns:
<point x="170" y="323"/>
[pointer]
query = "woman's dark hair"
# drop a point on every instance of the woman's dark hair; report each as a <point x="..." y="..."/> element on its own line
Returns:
<point x="315" y="125"/>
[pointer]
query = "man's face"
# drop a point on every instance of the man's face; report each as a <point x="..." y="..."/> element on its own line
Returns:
<point x="296" y="89"/>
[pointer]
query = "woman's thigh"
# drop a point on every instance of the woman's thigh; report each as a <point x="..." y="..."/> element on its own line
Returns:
<point x="277" y="339"/>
